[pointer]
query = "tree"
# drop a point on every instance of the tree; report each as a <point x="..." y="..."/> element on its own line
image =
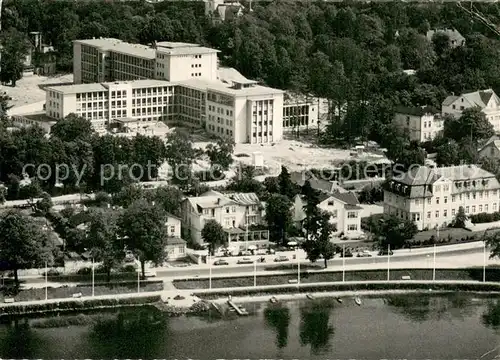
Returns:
<point x="287" y="187"/>
<point x="244" y="180"/>
<point x="44" y="204"/>
<point x="471" y="125"/>
<point x="319" y="244"/>
<point x="278" y="217"/>
<point x="449" y="154"/>
<point x="395" y="232"/>
<point x="14" y="50"/>
<point x="169" y="198"/>
<point x="4" y="106"/>
<point x="102" y="239"/>
<point x="213" y="234"/>
<point x="142" y="228"/>
<point x="24" y="244"/>
<point x="180" y="156"/>
<point x="220" y="154"/>
<point x="312" y="212"/>
<point x="72" y="128"/>
<point x="460" y="218"/>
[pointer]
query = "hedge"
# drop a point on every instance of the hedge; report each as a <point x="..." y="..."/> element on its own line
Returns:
<point x="76" y="305"/>
<point x="484" y="218"/>
<point x="293" y="289"/>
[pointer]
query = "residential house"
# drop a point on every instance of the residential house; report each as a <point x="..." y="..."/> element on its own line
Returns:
<point x="343" y="207"/>
<point x="491" y="149"/>
<point x="431" y="197"/>
<point x="422" y="123"/>
<point x="317" y="183"/>
<point x="175" y="246"/>
<point x="455" y="38"/>
<point x="238" y="213"/>
<point x="486" y="100"/>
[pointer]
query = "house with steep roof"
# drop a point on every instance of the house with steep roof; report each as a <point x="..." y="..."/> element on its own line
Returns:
<point x="343" y="207"/>
<point x="317" y="183"/>
<point x="422" y="123"/>
<point x="486" y="100"/>
<point x="455" y="38"/>
<point x="431" y="197"/>
<point x="238" y="213"/>
<point x="490" y="150"/>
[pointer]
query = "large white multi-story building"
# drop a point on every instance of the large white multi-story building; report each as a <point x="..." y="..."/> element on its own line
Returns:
<point x="300" y="111"/>
<point x="246" y="113"/>
<point x="431" y="197"/>
<point x="421" y="123"/>
<point x="486" y="100"/>
<point x="105" y="60"/>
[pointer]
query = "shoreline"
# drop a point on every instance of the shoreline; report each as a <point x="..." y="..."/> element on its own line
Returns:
<point x="344" y="294"/>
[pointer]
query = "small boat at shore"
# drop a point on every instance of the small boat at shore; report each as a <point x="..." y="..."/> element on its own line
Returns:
<point x="339" y="300"/>
<point x="357" y="300"/>
<point x="310" y="296"/>
<point x="273" y="300"/>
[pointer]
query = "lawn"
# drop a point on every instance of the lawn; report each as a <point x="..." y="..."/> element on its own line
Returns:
<point x="67" y="292"/>
<point x="493" y="274"/>
<point x="455" y="233"/>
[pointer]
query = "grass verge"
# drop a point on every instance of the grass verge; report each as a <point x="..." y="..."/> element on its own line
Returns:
<point x="492" y="274"/>
<point x="75" y="305"/>
<point x="86" y="290"/>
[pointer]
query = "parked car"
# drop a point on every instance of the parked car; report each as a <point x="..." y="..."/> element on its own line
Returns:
<point x="221" y="262"/>
<point x="364" y="253"/>
<point x="270" y="251"/>
<point x="245" y="253"/>
<point x="384" y="252"/>
<point x="245" y="261"/>
<point x="149" y="274"/>
<point x="261" y="252"/>
<point x="53" y="272"/>
<point x="281" y="258"/>
<point x="346" y="254"/>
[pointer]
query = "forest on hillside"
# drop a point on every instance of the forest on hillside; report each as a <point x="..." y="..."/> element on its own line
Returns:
<point x="351" y="53"/>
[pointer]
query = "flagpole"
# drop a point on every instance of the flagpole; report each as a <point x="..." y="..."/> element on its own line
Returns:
<point x="434" y="265"/>
<point x="246" y="236"/>
<point x="46" y="282"/>
<point x="388" y="262"/>
<point x="343" y="262"/>
<point x="484" y="261"/>
<point x="138" y="275"/>
<point x="92" y="277"/>
<point x="298" y="267"/>
<point x="210" y="271"/>
<point x="255" y="273"/>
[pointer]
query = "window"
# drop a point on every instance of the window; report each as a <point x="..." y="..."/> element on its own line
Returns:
<point x="428" y="214"/>
<point x="480" y="208"/>
<point x="352" y="215"/>
<point x="233" y="209"/>
<point x="330" y="202"/>
<point x="453" y="198"/>
<point x="473" y="209"/>
<point x="446" y="200"/>
<point x="452" y="212"/>
<point x="466" y="209"/>
<point x="494" y="206"/>
<point x="227" y="210"/>
<point x="437" y="200"/>
<point x="486" y="208"/>
<point x="445" y="213"/>
<point x="437" y="214"/>
<point x="352" y="227"/>
<point x="429" y="201"/>
<point x="172" y="229"/>
<point x="181" y="249"/>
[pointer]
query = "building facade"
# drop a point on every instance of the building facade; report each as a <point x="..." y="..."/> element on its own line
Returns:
<point x="344" y="210"/>
<point x="236" y="213"/>
<point x="421" y="123"/>
<point x="175" y="247"/>
<point x="299" y="111"/>
<point x="431" y="197"/>
<point x="486" y="100"/>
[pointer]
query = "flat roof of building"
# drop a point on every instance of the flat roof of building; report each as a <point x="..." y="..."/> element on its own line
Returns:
<point x="116" y="45"/>
<point x="220" y="87"/>
<point x="183" y="48"/>
<point x="38" y="116"/>
<point x="77" y="88"/>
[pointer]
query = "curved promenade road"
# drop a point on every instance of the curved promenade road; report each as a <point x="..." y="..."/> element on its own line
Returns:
<point x="452" y="256"/>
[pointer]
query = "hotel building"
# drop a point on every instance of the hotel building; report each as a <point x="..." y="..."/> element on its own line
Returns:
<point x="246" y="113"/>
<point x="421" y="123"/>
<point x="177" y="83"/>
<point x="299" y="111"/>
<point x="431" y="197"/>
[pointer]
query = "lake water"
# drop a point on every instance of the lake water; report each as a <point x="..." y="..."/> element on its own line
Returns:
<point x="456" y="326"/>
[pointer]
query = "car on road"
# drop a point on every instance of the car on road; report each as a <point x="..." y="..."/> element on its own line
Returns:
<point x="245" y="261"/>
<point x="384" y="253"/>
<point x="149" y="274"/>
<point x="364" y="253"/>
<point x="221" y="262"/>
<point x="347" y="254"/>
<point x="281" y="258"/>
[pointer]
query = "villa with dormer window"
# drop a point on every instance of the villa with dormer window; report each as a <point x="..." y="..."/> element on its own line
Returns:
<point x="431" y="197"/>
